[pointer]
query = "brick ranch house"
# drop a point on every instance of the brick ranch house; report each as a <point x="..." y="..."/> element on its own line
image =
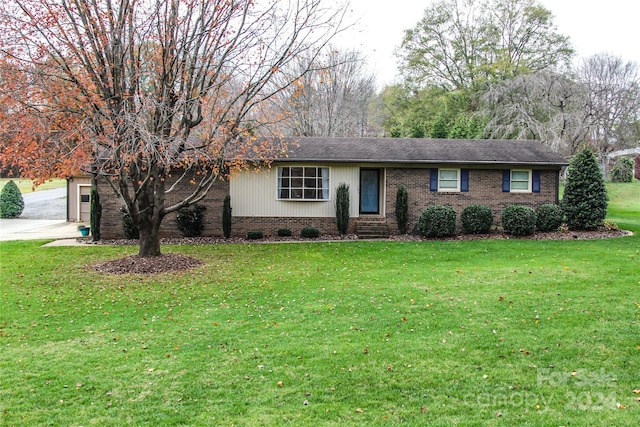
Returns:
<point x="299" y="190"/>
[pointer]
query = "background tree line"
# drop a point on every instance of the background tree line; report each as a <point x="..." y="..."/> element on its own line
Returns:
<point x="478" y="69"/>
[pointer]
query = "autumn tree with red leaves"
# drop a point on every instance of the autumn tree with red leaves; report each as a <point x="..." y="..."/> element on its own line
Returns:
<point x="138" y="88"/>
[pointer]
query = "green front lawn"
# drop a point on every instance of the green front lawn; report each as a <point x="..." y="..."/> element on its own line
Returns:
<point x="26" y="185"/>
<point x="512" y="332"/>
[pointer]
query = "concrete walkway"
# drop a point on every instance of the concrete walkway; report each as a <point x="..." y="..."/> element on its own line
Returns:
<point x="32" y="229"/>
<point x="44" y="217"/>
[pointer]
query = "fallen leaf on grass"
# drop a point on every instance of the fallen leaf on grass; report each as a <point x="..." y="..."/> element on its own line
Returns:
<point x="359" y="410"/>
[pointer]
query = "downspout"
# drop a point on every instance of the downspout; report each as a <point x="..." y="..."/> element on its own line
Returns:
<point x="68" y="184"/>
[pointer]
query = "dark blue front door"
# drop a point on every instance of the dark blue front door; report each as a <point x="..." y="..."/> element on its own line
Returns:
<point x="369" y="191"/>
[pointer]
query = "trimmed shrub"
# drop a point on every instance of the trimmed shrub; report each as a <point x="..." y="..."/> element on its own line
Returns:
<point x="95" y="214"/>
<point x="226" y="216"/>
<point x="476" y="219"/>
<point x="11" y="201"/>
<point x="402" y="209"/>
<point x="191" y="221"/>
<point x="585" y="196"/>
<point x="254" y="235"/>
<point x="310" y="232"/>
<point x="519" y="220"/>
<point x="437" y="221"/>
<point x="342" y="208"/>
<point x="549" y="217"/>
<point x="284" y="232"/>
<point x="129" y="229"/>
<point x="622" y="170"/>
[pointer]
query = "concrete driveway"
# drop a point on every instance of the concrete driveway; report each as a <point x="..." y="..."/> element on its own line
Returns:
<point x="44" y="217"/>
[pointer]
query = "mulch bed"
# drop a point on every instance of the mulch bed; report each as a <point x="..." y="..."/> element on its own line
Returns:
<point x="172" y="262"/>
<point x="165" y="263"/>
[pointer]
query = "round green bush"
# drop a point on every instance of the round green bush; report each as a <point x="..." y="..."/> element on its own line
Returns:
<point x="191" y="221"/>
<point x="476" y="219"/>
<point x="437" y="221"/>
<point x="284" y="232"/>
<point x="11" y="201"/>
<point x="310" y="232"/>
<point x="550" y="217"/>
<point x="254" y="235"/>
<point x="519" y="220"/>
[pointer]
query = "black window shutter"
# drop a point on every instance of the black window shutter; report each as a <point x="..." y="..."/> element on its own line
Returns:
<point x="506" y="181"/>
<point x="464" y="180"/>
<point x="433" y="182"/>
<point x="535" y="181"/>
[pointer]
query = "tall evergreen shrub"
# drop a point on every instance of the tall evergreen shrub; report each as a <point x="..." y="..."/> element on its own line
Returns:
<point x="342" y="208"/>
<point x="622" y="170"/>
<point x="226" y="216"/>
<point x="402" y="209"/>
<point x="95" y="214"/>
<point x="585" y="196"/>
<point x="11" y="201"/>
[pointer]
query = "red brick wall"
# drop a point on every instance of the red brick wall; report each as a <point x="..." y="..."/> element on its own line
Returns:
<point x="110" y="227"/>
<point x="485" y="187"/>
<point x="270" y="225"/>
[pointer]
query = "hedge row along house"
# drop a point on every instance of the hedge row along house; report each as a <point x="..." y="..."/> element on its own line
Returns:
<point x="299" y="189"/>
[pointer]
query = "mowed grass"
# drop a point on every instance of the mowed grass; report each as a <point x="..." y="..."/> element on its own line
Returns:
<point x="26" y="185"/>
<point x="512" y="332"/>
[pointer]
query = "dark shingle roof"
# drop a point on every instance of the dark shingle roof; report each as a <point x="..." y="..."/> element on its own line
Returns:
<point x="421" y="151"/>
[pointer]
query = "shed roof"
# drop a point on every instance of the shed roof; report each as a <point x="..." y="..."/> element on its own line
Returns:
<point x="421" y="151"/>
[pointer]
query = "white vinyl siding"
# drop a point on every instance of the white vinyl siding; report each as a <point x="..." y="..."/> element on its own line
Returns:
<point x="255" y="193"/>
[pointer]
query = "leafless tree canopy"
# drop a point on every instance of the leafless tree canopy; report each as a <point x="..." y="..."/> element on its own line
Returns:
<point x="599" y="105"/>
<point x="332" y="100"/>
<point x="613" y="102"/>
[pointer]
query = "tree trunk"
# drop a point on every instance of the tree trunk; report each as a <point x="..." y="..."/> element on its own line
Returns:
<point x="149" y="239"/>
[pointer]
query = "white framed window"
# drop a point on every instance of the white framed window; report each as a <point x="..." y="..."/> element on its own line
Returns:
<point x="520" y="180"/>
<point x="303" y="183"/>
<point x="448" y="179"/>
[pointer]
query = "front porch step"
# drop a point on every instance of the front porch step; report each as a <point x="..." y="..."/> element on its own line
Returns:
<point x="372" y="229"/>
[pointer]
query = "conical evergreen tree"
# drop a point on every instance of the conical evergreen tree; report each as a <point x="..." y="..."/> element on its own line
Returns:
<point x="11" y="201"/>
<point x="585" y="196"/>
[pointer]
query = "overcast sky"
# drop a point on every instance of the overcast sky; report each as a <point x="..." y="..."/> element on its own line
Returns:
<point x="594" y="26"/>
